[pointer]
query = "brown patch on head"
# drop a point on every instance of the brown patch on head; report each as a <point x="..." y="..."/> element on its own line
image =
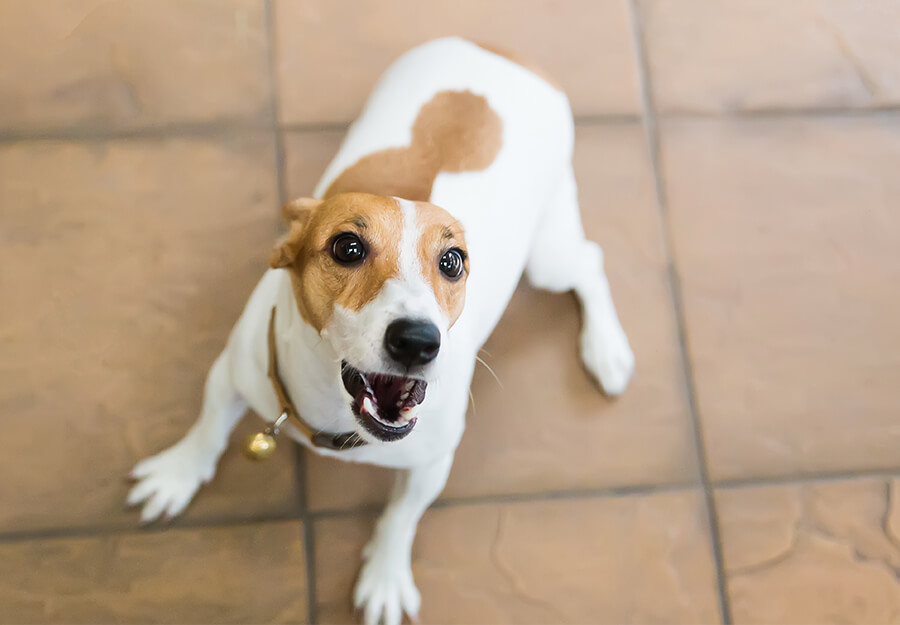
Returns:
<point x="319" y="281"/>
<point x="439" y="233"/>
<point x="454" y="131"/>
<point x="510" y="56"/>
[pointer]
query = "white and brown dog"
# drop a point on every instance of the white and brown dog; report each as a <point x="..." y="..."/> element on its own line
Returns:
<point x="362" y="338"/>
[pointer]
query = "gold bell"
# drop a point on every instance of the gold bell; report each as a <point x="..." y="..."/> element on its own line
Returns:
<point x="261" y="446"/>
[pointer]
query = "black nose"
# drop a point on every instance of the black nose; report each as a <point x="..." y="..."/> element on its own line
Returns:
<point x="411" y="342"/>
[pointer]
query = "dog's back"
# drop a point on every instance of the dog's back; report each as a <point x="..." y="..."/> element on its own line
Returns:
<point x="476" y="133"/>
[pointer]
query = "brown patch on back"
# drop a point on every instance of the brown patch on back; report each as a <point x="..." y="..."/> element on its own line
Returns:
<point x="318" y="281"/>
<point x="441" y="232"/>
<point x="510" y="56"/>
<point x="455" y="131"/>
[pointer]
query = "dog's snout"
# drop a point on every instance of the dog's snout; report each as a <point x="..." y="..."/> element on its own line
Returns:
<point x="410" y="342"/>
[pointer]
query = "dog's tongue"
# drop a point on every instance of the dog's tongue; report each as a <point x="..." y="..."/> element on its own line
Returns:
<point x="389" y="397"/>
<point x="390" y="390"/>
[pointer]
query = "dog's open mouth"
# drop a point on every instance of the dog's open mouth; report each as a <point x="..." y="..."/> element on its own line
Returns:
<point x="383" y="403"/>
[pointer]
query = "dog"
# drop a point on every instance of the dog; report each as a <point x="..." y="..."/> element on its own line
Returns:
<point x="361" y="339"/>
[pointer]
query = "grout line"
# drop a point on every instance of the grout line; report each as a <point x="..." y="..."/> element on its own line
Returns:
<point x="136" y="529"/>
<point x="776" y="114"/>
<point x="807" y="478"/>
<point x="315" y="127"/>
<point x="308" y="516"/>
<point x="309" y="539"/>
<point x="519" y="498"/>
<point x="653" y="142"/>
<point x="215" y="129"/>
<point x="275" y="95"/>
<point x="607" y="119"/>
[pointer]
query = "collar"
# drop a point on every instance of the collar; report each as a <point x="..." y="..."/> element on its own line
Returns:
<point x="335" y="442"/>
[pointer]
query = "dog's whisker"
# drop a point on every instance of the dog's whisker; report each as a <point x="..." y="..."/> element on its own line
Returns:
<point x="472" y="399"/>
<point x="351" y="440"/>
<point x="486" y="366"/>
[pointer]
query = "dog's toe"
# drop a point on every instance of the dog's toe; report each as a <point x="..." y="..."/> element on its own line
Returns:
<point x="608" y="356"/>
<point x="385" y="591"/>
<point x="167" y="482"/>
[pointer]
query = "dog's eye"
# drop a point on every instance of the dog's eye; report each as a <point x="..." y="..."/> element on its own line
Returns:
<point x="347" y="249"/>
<point x="451" y="263"/>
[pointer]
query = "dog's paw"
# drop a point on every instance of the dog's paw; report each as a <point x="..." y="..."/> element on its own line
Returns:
<point x="168" y="481"/>
<point x="385" y="590"/>
<point x="608" y="356"/>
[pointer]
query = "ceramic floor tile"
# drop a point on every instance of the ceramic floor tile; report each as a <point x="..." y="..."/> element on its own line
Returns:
<point x="240" y="574"/>
<point x="103" y="64"/>
<point x="786" y="237"/>
<point x="548" y="427"/>
<point x="331" y="53"/>
<point x="814" y="553"/>
<point x="306" y="155"/>
<point x="626" y="560"/>
<point x="124" y="265"/>
<point x="748" y="55"/>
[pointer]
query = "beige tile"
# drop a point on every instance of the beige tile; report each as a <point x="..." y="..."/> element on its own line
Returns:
<point x="331" y="53"/>
<point x="548" y="427"/>
<point x="628" y="560"/>
<point x="244" y="574"/>
<point x="786" y="236"/>
<point x="746" y="55"/>
<point x="124" y="265"/>
<point x="90" y="64"/>
<point x="306" y="155"/>
<point x="816" y="553"/>
<point x="335" y="485"/>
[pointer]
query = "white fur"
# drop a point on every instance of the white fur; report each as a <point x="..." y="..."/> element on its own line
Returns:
<point x="520" y="213"/>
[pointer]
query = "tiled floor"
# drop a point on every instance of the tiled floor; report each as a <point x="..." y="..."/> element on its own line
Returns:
<point x="737" y="160"/>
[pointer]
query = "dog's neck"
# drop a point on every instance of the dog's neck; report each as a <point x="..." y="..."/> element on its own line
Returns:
<point x="310" y="368"/>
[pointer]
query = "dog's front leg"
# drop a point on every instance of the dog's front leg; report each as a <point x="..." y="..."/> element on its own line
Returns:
<point x="385" y="589"/>
<point x="167" y="482"/>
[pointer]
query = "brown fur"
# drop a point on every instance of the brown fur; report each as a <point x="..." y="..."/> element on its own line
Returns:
<point x="320" y="283"/>
<point x="509" y="56"/>
<point x="455" y="131"/>
<point x="440" y="232"/>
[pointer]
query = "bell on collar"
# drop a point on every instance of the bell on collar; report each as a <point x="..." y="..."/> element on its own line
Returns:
<point x="261" y="446"/>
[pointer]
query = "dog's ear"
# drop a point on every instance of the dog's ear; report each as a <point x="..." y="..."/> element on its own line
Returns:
<point x="296" y="213"/>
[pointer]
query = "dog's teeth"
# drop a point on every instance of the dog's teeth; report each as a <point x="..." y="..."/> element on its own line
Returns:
<point x="403" y="397"/>
<point x="368" y="406"/>
<point x="409" y="386"/>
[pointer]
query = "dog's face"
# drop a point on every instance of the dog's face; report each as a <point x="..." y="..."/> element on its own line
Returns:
<point x="382" y="280"/>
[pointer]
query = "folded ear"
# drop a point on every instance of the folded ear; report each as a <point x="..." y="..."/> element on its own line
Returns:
<point x="296" y="213"/>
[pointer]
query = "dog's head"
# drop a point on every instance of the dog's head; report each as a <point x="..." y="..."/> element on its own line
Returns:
<point x="382" y="280"/>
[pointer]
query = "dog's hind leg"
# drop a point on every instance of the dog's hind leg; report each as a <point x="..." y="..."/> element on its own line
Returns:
<point x="562" y="259"/>
<point x="385" y="589"/>
<point x="167" y="482"/>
